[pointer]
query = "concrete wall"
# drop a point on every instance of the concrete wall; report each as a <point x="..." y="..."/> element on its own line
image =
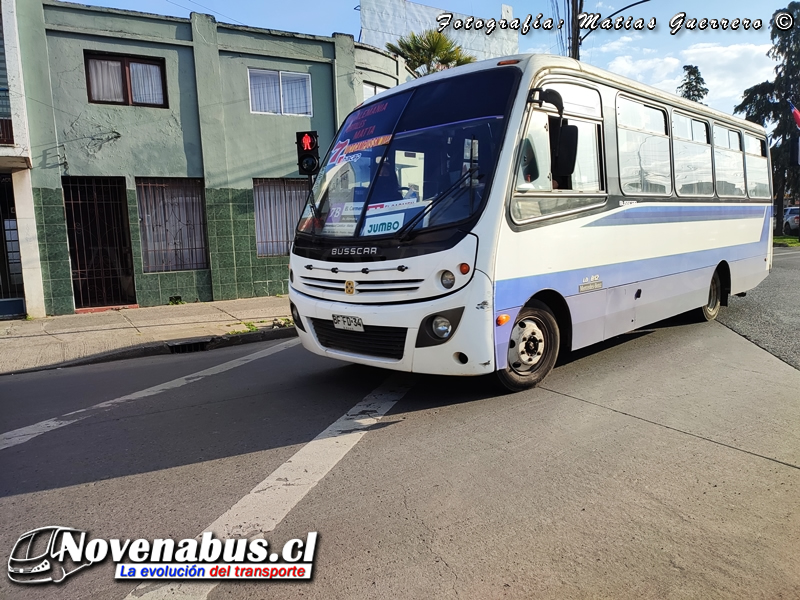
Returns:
<point x="207" y="131"/>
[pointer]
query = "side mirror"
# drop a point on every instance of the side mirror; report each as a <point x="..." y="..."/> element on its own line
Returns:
<point x="566" y="151"/>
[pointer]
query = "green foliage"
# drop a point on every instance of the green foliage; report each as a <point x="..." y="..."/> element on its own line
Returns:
<point x="693" y="87"/>
<point x="786" y="241"/>
<point x="429" y="52"/>
<point x="250" y="328"/>
<point x="767" y="103"/>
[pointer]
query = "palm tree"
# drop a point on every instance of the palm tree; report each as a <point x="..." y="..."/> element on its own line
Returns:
<point x="429" y="52"/>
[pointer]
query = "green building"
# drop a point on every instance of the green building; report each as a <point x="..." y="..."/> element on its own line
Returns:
<point x="153" y="157"/>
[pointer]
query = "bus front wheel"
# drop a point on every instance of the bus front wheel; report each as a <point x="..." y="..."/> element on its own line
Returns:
<point x="710" y="311"/>
<point x="532" y="348"/>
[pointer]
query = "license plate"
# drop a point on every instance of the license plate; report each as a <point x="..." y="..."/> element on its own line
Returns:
<point x="348" y="323"/>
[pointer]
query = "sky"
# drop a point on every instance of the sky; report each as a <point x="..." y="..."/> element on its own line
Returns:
<point x="729" y="61"/>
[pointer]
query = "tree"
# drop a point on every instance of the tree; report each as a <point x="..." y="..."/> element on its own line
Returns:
<point x="767" y="103"/>
<point x="693" y="87"/>
<point x="430" y="52"/>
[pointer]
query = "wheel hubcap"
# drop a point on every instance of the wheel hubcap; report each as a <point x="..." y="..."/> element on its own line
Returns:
<point x="526" y="346"/>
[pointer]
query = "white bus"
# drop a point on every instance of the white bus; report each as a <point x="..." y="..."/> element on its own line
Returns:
<point x="482" y="219"/>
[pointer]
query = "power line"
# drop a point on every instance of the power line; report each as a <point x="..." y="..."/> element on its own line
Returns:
<point x="207" y="8"/>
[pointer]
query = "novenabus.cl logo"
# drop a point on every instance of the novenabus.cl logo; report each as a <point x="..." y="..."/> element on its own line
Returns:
<point x="39" y="556"/>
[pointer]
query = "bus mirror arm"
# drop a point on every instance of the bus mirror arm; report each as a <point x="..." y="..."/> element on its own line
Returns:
<point x="549" y="96"/>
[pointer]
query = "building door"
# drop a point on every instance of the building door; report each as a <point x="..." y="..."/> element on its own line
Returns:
<point x="99" y="241"/>
<point x="12" y="295"/>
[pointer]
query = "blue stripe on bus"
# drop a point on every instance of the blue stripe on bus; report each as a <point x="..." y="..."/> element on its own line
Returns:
<point x="510" y="293"/>
<point x="641" y="215"/>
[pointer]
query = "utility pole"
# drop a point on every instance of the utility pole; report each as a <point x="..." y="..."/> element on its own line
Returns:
<point x="575" y="33"/>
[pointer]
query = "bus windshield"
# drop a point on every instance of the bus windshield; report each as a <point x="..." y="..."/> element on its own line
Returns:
<point x="417" y="159"/>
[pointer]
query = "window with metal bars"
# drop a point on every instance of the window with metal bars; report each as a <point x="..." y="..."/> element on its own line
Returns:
<point x="173" y="224"/>
<point x="10" y="263"/>
<point x="278" y="203"/>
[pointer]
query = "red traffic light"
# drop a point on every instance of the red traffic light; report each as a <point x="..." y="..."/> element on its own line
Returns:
<point x="306" y="141"/>
<point x="307" y="152"/>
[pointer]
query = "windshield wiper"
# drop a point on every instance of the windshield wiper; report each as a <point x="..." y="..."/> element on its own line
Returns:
<point x="406" y="229"/>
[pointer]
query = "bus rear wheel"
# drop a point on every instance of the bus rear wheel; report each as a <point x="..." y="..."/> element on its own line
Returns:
<point x="532" y="348"/>
<point x="710" y="311"/>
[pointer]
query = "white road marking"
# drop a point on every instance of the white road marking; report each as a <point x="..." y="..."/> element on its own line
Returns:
<point x="24" y="434"/>
<point x="260" y="511"/>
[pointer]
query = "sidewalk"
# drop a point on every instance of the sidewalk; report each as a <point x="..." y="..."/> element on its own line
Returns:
<point x="128" y="333"/>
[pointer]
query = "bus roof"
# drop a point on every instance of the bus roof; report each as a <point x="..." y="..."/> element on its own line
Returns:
<point x="536" y="63"/>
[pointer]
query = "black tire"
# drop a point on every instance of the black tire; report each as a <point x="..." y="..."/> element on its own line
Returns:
<point x="710" y="311"/>
<point x="786" y="229"/>
<point x="537" y="328"/>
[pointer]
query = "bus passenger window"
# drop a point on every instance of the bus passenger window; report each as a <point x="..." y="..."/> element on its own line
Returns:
<point x="643" y="147"/>
<point x="728" y="162"/>
<point x="755" y="159"/>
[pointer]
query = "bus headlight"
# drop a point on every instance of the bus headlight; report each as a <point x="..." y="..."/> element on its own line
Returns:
<point x="448" y="279"/>
<point x="441" y="327"/>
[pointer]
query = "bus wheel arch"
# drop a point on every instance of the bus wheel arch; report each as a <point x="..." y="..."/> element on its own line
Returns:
<point x="560" y="309"/>
<point x="541" y="331"/>
<point x="724" y="272"/>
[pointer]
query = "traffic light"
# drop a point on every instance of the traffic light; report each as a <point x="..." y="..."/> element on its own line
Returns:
<point x="307" y="152"/>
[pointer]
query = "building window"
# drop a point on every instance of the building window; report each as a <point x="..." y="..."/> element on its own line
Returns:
<point x="280" y="93"/>
<point x="173" y="224"/>
<point x="131" y="80"/>
<point x="278" y="203"/>
<point x="370" y="90"/>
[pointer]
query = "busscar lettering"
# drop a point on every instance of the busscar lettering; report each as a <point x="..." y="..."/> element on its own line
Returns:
<point x="353" y="251"/>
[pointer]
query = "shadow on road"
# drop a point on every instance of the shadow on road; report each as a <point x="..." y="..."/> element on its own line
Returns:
<point x="266" y="405"/>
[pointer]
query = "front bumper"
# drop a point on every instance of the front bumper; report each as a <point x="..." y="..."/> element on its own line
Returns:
<point x="473" y="338"/>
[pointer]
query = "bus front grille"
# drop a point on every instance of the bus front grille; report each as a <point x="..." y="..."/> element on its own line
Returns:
<point x="375" y="340"/>
<point x="363" y="286"/>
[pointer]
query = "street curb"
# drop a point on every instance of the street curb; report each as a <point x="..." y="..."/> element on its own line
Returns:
<point x="163" y="347"/>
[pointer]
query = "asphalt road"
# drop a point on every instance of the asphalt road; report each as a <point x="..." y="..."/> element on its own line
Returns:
<point x="662" y="464"/>
<point x="769" y="315"/>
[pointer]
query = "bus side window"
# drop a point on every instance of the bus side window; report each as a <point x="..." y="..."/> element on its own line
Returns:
<point x="533" y="172"/>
